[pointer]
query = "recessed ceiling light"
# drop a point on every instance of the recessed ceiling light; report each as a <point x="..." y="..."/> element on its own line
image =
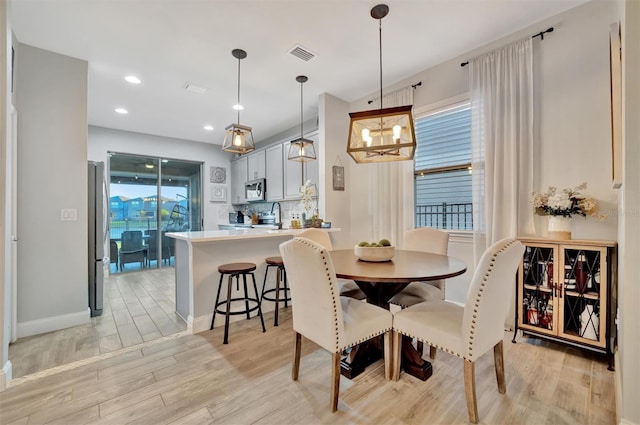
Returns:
<point x="122" y="111"/>
<point x="132" y="79"/>
<point x="208" y="127"/>
<point x="164" y="161"/>
<point x="238" y="107"/>
<point x="148" y="165"/>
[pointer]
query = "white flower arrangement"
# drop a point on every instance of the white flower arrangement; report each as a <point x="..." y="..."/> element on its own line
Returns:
<point x="307" y="192"/>
<point x="566" y="203"/>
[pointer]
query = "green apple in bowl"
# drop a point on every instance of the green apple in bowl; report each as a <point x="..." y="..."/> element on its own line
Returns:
<point x="375" y="251"/>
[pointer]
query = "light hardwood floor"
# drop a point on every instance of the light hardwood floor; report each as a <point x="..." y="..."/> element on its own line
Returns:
<point x="195" y="379"/>
<point x="138" y="306"/>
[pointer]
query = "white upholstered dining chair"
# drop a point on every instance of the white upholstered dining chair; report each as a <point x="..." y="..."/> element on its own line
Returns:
<point x="424" y="239"/>
<point x="320" y="314"/>
<point x="470" y="331"/>
<point x="348" y="288"/>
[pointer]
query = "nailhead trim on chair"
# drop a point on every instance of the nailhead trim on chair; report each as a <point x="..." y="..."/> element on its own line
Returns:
<point x="480" y="292"/>
<point x="335" y="307"/>
<point x="475" y="310"/>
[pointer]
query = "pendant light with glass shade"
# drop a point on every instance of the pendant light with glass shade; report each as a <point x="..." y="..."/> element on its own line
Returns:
<point x="238" y="138"/>
<point x="385" y="134"/>
<point x="301" y="149"/>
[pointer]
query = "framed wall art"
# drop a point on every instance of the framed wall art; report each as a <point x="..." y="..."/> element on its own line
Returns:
<point x="218" y="175"/>
<point x="338" y="177"/>
<point x="218" y="193"/>
<point x="616" y="104"/>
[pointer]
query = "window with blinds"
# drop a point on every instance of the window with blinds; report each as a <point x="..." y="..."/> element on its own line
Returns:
<point x="443" y="168"/>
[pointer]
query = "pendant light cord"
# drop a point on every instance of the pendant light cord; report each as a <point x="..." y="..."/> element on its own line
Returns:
<point x="380" y="44"/>
<point x="239" y="90"/>
<point x="301" y="114"/>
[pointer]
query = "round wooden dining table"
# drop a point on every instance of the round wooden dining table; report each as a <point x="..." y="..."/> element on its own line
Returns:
<point x="380" y="281"/>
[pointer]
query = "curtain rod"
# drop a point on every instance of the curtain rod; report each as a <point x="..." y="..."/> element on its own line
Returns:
<point x="540" y="34"/>
<point x="414" y="86"/>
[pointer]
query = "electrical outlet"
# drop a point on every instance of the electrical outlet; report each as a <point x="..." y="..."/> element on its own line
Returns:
<point x="69" y="214"/>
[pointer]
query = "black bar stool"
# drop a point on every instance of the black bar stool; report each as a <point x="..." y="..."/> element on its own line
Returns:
<point x="235" y="270"/>
<point x="281" y="276"/>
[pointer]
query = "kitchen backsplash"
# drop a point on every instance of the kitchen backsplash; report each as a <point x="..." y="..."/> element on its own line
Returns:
<point x="288" y="208"/>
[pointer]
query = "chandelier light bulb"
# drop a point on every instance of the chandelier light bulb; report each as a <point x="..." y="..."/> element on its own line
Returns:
<point x="237" y="140"/>
<point x="397" y="131"/>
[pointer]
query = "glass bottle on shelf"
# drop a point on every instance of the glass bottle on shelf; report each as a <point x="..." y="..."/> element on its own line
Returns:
<point x="581" y="273"/>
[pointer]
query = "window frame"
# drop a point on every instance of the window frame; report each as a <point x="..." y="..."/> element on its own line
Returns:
<point x="434" y="108"/>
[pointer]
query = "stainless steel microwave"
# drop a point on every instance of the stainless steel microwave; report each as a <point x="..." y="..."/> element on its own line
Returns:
<point x="255" y="190"/>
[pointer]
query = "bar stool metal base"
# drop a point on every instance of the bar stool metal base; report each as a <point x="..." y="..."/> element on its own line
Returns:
<point x="277" y="297"/>
<point x="250" y="303"/>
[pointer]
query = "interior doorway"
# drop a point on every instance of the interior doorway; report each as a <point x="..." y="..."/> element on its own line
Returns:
<point x="148" y="197"/>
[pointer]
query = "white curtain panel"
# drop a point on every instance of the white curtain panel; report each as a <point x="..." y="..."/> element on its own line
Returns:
<point x="391" y="200"/>
<point x="501" y="85"/>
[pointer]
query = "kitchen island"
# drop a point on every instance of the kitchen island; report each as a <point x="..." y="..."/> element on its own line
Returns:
<point x="198" y="255"/>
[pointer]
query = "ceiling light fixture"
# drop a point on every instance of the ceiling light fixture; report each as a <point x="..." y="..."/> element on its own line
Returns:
<point x="385" y="134"/>
<point x="149" y="165"/>
<point x="132" y="79"/>
<point x="301" y="149"/>
<point x="238" y="138"/>
<point x="208" y="127"/>
<point x="121" y="111"/>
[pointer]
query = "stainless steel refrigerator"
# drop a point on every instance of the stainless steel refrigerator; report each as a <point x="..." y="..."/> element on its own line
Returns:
<point x="98" y="234"/>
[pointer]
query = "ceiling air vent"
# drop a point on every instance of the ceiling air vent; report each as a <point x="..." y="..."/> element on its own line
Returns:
<point x="194" y="88"/>
<point x="302" y="53"/>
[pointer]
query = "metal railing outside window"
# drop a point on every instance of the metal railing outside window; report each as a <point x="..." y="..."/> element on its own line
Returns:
<point x="445" y="216"/>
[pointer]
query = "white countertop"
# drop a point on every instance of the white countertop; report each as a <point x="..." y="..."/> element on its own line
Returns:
<point x="236" y="234"/>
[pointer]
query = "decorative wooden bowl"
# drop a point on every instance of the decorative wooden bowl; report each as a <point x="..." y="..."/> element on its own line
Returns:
<point x="374" y="254"/>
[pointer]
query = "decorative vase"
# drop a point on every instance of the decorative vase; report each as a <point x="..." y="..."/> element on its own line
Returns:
<point x="589" y="323"/>
<point x="559" y="227"/>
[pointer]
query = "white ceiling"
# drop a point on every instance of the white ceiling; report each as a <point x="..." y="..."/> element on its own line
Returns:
<point x="167" y="43"/>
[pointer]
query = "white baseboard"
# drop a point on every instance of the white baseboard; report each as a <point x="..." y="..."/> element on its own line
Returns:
<point x="617" y="384"/>
<point x="39" y="326"/>
<point x="5" y="375"/>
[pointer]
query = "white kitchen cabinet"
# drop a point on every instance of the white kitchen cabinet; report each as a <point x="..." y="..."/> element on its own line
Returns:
<point x="256" y="165"/>
<point x="274" y="173"/>
<point x="292" y="175"/>
<point x="293" y="171"/>
<point x="238" y="179"/>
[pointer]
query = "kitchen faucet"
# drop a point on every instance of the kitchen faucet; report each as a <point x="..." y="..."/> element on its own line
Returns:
<point x="279" y="222"/>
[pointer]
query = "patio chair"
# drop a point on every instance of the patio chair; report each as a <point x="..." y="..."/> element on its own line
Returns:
<point x="132" y="250"/>
<point x="152" y="247"/>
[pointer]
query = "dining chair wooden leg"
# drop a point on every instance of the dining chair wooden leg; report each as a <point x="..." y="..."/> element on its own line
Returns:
<point x="420" y="347"/>
<point x="388" y="355"/>
<point x="498" y="360"/>
<point x="335" y="380"/>
<point x="470" y="390"/>
<point x="397" y="354"/>
<point x="295" y="368"/>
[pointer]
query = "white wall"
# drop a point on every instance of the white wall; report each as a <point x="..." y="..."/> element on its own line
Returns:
<point x="103" y="140"/>
<point x="5" y="172"/>
<point x="335" y="205"/>
<point x="629" y="231"/>
<point x="51" y="100"/>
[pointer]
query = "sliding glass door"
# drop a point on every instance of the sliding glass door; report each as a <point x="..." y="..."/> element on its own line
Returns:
<point x="148" y="197"/>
